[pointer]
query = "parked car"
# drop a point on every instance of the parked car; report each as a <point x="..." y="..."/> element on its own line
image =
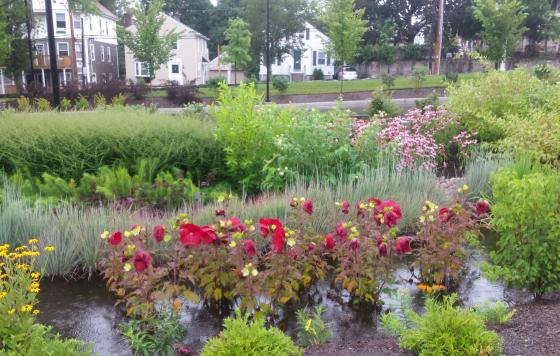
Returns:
<point x="349" y="73"/>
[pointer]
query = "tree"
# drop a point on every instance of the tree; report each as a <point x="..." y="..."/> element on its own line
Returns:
<point x="14" y="38"/>
<point x="5" y="39"/>
<point x="383" y="50"/>
<point x="345" y="28"/>
<point x="193" y="13"/>
<point x="239" y="44"/>
<point x="542" y="22"/>
<point x="149" y="43"/>
<point x="502" y="26"/>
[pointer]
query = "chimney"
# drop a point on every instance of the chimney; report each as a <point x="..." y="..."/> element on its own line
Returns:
<point x="127" y="19"/>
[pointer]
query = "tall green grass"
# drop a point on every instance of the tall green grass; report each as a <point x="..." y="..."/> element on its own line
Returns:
<point x="70" y="144"/>
<point x="480" y="168"/>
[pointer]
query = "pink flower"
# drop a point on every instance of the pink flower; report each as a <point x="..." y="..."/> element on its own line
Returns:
<point x="403" y="245"/>
<point x="341" y="232"/>
<point x="379" y="240"/>
<point x="308" y="206"/>
<point x="115" y="238"/>
<point x="236" y="224"/>
<point x="159" y="233"/>
<point x="329" y="241"/>
<point x="482" y="207"/>
<point x="382" y="249"/>
<point x="249" y="248"/>
<point x="141" y="261"/>
<point x="220" y="212"/>
<point x="345" y="207"/>
<point x="183" y="350"/>
<point x="354" y="245"/>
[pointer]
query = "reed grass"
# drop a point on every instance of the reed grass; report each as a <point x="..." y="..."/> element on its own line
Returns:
<point x="479" y="170"/>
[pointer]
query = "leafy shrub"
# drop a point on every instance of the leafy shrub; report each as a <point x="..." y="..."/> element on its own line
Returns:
<point x="215" y="82"/>
<point x="242" y="336"/>
<point x="280" y="83"/>
<point x="542" y="71"/>
<point x="388" y="80"/>
<point x="382" y="104"/>
<point x="82" y="103"/>
<point x="312" y="330"/>
<point x="158" y="334"/>
<point x="99" y="101"/>
<point x="181" y="94"/>
<point x="496" y="314"/>
<point x="432" y="100"/>
<point x="413" y="52"/>
<point x="65" y="104"/>
<point x="23" y="104"/>
<point x="42" y="104"/>
<point x="451" y="77"/>
<point x="318" y="74"/>
<point x="419" y="74"/>
<point x="524" y="216"/>
<point x="119" y="99"/>
<point x="442" y="330"/>
<point x="119" y="138"/>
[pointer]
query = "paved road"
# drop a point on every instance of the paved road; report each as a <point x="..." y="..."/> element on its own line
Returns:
<point x="354" y="105"/>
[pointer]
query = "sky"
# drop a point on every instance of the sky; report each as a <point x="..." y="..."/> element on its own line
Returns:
<point x="214" y="2"/>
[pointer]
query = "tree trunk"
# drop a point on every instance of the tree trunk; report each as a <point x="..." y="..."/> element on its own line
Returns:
<point x="72" y="49"/>
<point x="341" y="79"/>
<point x="235" y="72"/>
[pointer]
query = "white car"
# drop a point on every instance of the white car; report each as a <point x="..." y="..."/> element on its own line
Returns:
<point x="349" y="73"/>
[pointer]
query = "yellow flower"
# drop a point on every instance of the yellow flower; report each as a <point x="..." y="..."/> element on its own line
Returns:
<point x="105" y="235"/>
<point x="35" y="275"/>
<point x="127" y="234"/>
<point x="49" y="248"/>
<point x="22" y="266"/>
<point x="35" y="312"/>
<point x="35" y="290"/>
<point x="33" y="241"/>
<point x="2" y="295"/>
<point x="232" y="244"/>
<point x="308" y="325"/>
<point x="26" y="308"/>
<point x="177" y="305"/>
<point x="20" y="248"/>
<point x="127" y="267"/>
<point x="11" y="311"/>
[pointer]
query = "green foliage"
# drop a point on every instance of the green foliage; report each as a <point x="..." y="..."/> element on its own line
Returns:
<point x="65" y="104"/>
<point x="382" y="102"/>
<point x="99" y="101"/>
<point x="413" y="52"/>
<point x="280" y="83"/>
<point x="502" y="26"/>
<point x="42" y="341"/>
<point x="480" y="168"/>
<point x="244" y="337"/>
<point x="388" y="80"/>
<point x="79" y="143"/>
<point x="443" y="330"/>
<point x="5" y="39"/>
<point x="419" y="74"/>
<point x="451" y="77"/>
<point x="149" y="43"/>
<point x="23" y="104"/>
<point x="119" y="99"/>
<point x="81" y="103"/>
<point x="318" y="74"/>
<point x="525" y="216"/>
<point x="495" y="314"/>
<point x="238" y="36"/>
<point x="312" y="330"/>
<point x="42" y="104"/>
<point x="383" y="50"/>
<point x="157" y="335"/>
<point x="431" y="100"/>
<point x="542" y="71"/>
<point x="215" y="82"/>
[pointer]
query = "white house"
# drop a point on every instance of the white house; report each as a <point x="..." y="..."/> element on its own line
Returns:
<point x="188" y="63"/>
<point x="300" y="64"/>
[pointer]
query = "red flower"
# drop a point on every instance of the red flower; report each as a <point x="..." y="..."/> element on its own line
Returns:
<point x="159" y="233"/>
<point x="266" y="225"/>
<point x="329" y="241"/>
<point x="379" y="240"/>
<point x="341" y="232"/>
<point x="310" y="247"/>
<point x="141" y="261"/>
<point x="236" y="224"/>
<point x="345" y="207"/>
<point x="374" y="200"/>
<point x="388" y="213"/>
<point x="249" y="248"/>
<point x="403" y="245"/>
<point x="220" y="212"/>
<point x="278" y="239"/>
<point x="382" y="249"/>
<point x="482" y="207"/>
<point x="354" y="244"/>
<point x="308" y="206"/>
<point x="115" y="238"/>
<point x="191" y="235"/>
<point x="445" y="214"/>
<point x="390" y="219"/>
<point x="183" y="350"/>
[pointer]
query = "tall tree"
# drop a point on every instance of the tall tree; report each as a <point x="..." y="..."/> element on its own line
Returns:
<point x="73" y="7"/>
<point x="13" y="15"/>
<point x="542" y="22"/>
<point x="502" y="26"/>
<point x="345" y="29"/>
<point x="148" y="42"/>
<point x="193" y="13"/>
<point x="5" y="39"/>
<point x="239" y="44"/>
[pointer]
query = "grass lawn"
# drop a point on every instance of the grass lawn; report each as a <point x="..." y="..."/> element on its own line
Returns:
<point x="333" y="86"/>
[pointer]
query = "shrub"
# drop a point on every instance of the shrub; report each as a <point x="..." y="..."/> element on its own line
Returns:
<point x="496" y="314"/>
<point x="413" y="52"/>
<point x="119" y="99"/>
<point x="524" y="216"/>
<point x="65" y="104"/>
<point x="388" y="80"/>
<point x="119" y="137"/>
<point x="82" y="103"/>
<point x="242" y="336"/>
<point x="451" y="77"/>
<point x="543" y="71"/>
<point x="23" y="104"/>
<point x="318" y="74"/>
<point x="181" y="94"/>
<point x="442" y="330"/>
<point x="280" y="83"/>
<point x="312" y="330"/>
<point x="419" y="74"/>
<point x="215" y="82"/>
<point x="480" y="168"/>
<point x="432" y="101"/>
<point x="42" y="104"/>
<point x="382" y="104"/>
<point x="99" y="101"/>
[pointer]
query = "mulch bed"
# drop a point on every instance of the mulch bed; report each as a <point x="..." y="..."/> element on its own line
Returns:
<point x="533" y="331"/>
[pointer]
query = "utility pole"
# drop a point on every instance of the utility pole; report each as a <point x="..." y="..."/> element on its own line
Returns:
<point x="53" y="54"/>
<point x="268" y="51"/>
<point x="29" y="45"/>
<point x="439" y="39"/>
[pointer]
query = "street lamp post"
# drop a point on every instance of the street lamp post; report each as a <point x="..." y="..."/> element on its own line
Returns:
<point x="53" y="54"/>
<point x="267" y="51"/>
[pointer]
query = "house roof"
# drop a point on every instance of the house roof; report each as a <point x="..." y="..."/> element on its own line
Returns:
<point x="186" y="28"/>
<point x="103" y="11"/>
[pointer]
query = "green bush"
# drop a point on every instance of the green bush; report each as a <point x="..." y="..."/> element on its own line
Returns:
<point x="451" y="77"/>
<point x="525" y="216"/>
<point x="42" y="104"/>
<point x="382" y="101"/>
<point x="318" y="74"/>
<point x="431" y="100"/>
<point x="312" y="330"/>
<point x="82" y="103"/>
<point x="442" y="330"/>
<point x="215" y="82"/>
<point x="23" y="104"/>
<point x="65" y="104"/>
<point x="41" y="341"/>
<point x="280" y="83"/>
<point x="388" y="80"/>
<point x="543" y="71"/>
<point x="419" y="74"/>
<point x="244" y="337"/>
<point x="99" y="101"/>
<point x="79" y="143"/>
<point x="119" y="99"/>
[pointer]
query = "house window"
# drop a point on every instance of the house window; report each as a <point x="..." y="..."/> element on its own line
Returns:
<point x="321" y="58"/>
<point x="63" y="49"/>
<point x="108" y="54"/>
<point x="93" y="78"/>
<point x="307" y="34"/>
<point x="175" y="45"/>
<point x="175" y="68"/>
<point x="39" y="49"/>
<point x="100" y="27"/>
<point x="102" y="53"/>
<point x="92" y="51"/>
<point x="78" y="49"/>
<point x="314" y="58"/>
<point x="328" y="59"/>
<point x="65" y="76"/>
<point x="279" y="59"/>
<point x="90" y="24"/>
<point x="60" y="21"/>
<point x="297" y="60"/>
<point x="77" y="24"/>
<point x="141" y="69"/>
<point x="106" y="27"/>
